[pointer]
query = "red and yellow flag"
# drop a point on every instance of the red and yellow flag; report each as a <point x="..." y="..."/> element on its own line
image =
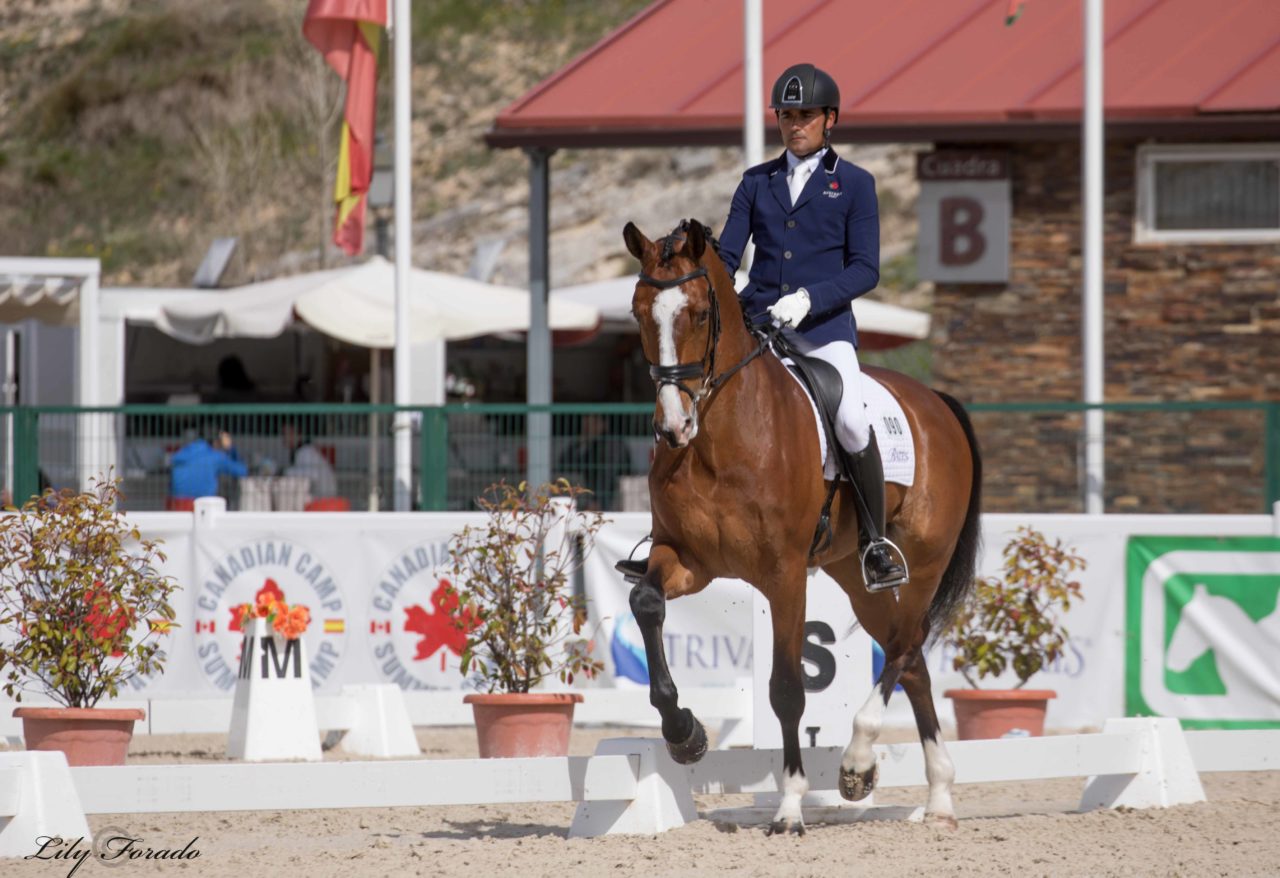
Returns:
<point x="348" y="33"/>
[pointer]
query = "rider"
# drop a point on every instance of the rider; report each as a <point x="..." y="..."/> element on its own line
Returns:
<point x="815" y="222"/>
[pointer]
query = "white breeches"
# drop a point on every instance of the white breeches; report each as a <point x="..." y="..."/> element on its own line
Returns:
<point x="853" y="428"/>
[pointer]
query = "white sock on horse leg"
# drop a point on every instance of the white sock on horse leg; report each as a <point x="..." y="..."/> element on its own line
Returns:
<point x="941" y="773"/>
<point x="858" y="756"/>
<point x="794" y="786"/>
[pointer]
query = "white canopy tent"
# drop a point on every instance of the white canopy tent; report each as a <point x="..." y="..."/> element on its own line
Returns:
<point x="612" y="298"/>
<point x="355" y="304"/>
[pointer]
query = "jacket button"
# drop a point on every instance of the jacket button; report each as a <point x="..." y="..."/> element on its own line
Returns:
<point x="786" y="255"/>
<point x="786" y="288"/>
<point x="791" y="224"/>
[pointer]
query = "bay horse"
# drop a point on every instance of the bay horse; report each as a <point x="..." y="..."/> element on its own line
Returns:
<point x="736" y="490"/>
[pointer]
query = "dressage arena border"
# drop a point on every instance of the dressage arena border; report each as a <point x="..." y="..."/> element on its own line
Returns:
<point x="631" y="786"/>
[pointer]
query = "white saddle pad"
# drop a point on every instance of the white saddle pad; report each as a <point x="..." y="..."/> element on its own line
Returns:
<point x="893" y="432"/>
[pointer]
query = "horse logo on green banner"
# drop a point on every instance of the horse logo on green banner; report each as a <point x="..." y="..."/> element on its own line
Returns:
<point x="1203" y="630"/>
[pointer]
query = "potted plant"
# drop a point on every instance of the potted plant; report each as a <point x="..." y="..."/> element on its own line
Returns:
<point x="1013" y="622"/>
<point x="523" y="625"/>
<point x="82" y="610"/>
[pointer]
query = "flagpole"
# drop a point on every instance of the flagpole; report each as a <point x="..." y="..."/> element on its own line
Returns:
<point x="1092" y="329"/>
<point x="753" y="95"/>
<point x="403" y="245"/>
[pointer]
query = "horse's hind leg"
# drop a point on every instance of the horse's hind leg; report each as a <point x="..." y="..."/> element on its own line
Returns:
<point x="938" y="769"/>
<point x="686" y="738"/>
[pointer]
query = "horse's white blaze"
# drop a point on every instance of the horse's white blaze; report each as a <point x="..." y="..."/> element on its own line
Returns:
<point x="858" y="756"/>
<point x="666" y="308"/>
<point x="794" y="786"/>
<point x="940" y="773"/>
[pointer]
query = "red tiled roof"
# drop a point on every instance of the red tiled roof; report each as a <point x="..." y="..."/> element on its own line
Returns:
<point x="915" y="69"/>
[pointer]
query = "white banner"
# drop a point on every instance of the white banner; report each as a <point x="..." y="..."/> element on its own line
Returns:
<point x="373" y="583"/>
<point x="707" y="636"/>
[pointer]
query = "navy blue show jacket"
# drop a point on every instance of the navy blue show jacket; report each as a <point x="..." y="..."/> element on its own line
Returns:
<point x="829" y="243"/>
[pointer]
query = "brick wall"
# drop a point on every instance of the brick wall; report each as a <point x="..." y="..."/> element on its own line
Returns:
<point x="1183" y="322"/>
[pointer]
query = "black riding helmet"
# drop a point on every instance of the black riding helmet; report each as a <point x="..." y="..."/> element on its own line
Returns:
<point x="802" y="86"/>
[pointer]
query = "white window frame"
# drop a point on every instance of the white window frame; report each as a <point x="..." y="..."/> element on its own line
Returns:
<point x="1144" y="231"/>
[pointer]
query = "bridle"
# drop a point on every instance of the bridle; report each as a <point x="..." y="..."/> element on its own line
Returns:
<point x="705" y="367"/>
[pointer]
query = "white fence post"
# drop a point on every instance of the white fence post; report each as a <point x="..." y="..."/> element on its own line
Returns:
<point x="37" y="798"/>
<point x="663" y="798"/>
<point x="1168" y="775"/>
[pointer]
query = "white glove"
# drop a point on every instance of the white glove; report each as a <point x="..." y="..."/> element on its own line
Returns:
<point x="790" y="310"/>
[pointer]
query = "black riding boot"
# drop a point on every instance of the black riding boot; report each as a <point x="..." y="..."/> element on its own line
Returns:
<point x="882" y="571"/>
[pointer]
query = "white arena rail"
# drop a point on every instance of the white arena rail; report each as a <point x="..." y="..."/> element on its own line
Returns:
<point x="632" y="781"/>
<point x="631" y="786"/>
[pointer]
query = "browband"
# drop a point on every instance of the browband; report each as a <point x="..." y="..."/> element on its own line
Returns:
<point x="675" y="281"/>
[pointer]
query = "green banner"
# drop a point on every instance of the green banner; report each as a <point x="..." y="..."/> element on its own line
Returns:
<point x="1203" y="630"/>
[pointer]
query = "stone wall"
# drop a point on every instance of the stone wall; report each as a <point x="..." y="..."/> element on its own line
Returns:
<point x="1183" y="323"/>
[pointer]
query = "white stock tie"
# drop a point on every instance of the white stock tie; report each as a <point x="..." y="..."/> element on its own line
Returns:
<point x="799" y="176"/>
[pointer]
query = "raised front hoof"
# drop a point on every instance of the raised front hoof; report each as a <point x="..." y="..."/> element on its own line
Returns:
<point x="785" y="827"/>
<point x="941" y="821"/>
<point x="856" y="786"/>
<point x="691" y="749"/>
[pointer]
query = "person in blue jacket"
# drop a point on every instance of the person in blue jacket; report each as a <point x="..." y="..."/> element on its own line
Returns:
<point x="197" y="465"/>
<point x="815" y="222"/>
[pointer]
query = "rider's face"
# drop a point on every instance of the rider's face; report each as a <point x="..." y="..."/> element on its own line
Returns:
<point x="802" y="130"/>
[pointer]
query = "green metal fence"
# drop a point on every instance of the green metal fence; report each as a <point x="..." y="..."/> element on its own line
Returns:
<point x="1160" y="457"/>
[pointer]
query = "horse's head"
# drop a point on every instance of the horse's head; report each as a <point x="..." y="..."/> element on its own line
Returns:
<point x="679" y="316"/>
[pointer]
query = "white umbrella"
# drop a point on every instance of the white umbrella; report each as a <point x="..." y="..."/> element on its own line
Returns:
<point x="355" y="304"/>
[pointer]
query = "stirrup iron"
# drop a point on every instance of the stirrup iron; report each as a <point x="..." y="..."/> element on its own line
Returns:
<point x="633" y="569"/>
<point x="887" y="584"/>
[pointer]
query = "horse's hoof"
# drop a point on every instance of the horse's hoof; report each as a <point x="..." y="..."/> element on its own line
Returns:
<point x="782" y="827"/>
<point x="941" y="821"/>
<point x="692" y="748"/>
<point x="856" y="786"/>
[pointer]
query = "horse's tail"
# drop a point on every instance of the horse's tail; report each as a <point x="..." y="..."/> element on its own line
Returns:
<point x="958" y="579"/>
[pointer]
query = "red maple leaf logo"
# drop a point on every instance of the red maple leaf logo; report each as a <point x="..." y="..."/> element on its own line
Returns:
<point x="439" y="629"/>
<point x="268" y="587"/>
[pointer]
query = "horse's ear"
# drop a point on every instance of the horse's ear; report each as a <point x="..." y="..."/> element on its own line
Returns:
<point x="695" y="240"/>
<point x="637" y="243"/>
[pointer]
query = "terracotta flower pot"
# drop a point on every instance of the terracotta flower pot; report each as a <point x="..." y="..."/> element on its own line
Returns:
<point x="88" y="735"/>
<point x="991" y="713"/>
<point x="523" y="723"/>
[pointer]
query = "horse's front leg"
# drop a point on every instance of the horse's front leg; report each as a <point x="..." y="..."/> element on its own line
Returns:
<point x="786" y="696"/>
<point x="686" y="738"/>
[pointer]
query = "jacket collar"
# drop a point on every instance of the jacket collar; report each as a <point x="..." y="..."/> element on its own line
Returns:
<point x="778" y="180"/>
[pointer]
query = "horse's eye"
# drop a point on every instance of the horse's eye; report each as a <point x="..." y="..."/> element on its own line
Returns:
<point x="701" y="318"/>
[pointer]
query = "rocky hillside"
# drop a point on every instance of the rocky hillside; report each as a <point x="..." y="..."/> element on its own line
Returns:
<point x="139" y="131"/>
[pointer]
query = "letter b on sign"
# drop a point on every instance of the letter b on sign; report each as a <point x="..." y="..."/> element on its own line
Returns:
<point x="964" y="231"/>
<point x="960" y="231"/>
